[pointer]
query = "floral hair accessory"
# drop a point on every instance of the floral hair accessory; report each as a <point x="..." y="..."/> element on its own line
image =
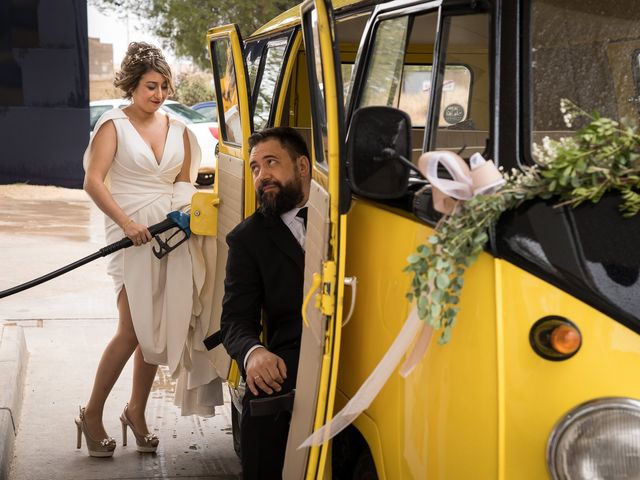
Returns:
<point x="147" y="54"/>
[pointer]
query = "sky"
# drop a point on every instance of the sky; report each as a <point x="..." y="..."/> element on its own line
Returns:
<point x="111" y="29"/>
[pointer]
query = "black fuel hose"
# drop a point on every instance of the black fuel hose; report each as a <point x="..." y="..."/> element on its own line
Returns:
<point x="166" y="224"/>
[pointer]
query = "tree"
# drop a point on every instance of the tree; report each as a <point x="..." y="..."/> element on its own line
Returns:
<point x="193" y="88"/>
<point x="182" y="24"/>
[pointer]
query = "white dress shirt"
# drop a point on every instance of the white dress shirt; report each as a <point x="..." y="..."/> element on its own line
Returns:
<point x="295" y="224"/>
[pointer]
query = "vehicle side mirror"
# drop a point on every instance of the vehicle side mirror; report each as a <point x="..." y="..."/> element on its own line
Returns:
<point x="379" y="144"/>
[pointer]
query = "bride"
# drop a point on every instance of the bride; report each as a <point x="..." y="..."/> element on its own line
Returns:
<point x="139" y="166"/>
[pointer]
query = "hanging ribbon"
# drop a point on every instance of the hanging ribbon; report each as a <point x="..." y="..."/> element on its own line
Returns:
<point x="372" y="385"/>
<point x="424" y="334"/>
<point x="481" y="179"/>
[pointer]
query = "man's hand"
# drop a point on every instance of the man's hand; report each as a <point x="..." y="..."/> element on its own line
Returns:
<point x="265" y="370"/>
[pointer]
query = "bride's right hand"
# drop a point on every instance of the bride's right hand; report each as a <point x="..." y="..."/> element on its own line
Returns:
<point x="137" y="233"/>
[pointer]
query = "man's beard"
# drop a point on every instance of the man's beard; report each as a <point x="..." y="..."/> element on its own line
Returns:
<point x="285" y="198"/>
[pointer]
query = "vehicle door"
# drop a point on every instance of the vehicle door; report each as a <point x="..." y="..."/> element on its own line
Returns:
<point x="432" y="61"/>
<point x="324" y="247"/>
<point x="233" y="180"/>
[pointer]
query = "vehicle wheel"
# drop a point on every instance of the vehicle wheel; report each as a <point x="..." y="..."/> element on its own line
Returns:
<point x="235" y="429"/>
<point x="365" y="468"/>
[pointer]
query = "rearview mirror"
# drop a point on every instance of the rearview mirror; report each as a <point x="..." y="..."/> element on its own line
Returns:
<point x="379" y="138"/>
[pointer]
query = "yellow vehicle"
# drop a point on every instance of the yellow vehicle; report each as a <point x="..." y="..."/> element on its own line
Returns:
<point x="499" y="400"/>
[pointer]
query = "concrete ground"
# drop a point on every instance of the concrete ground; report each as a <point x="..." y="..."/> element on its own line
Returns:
<point x="66" y="324"/>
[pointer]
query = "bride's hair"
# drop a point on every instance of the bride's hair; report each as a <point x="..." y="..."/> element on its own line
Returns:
<point x="141" y="58"/>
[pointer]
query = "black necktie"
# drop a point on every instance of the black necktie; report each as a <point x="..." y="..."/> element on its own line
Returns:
<point x="302" y="213"/>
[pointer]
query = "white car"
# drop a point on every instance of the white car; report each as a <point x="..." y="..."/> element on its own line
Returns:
<point x="204" y="131"/>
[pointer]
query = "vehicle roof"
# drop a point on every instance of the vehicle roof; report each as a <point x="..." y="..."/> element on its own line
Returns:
<point x="292" y="16"/>
<point x="206" y="102"/>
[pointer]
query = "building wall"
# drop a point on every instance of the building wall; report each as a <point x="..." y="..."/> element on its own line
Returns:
<point x="44" y="91"/>
<point x="101" y="71"/>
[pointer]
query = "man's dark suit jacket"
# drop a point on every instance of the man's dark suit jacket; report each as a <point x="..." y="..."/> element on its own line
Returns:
<point x="265" y="275"/>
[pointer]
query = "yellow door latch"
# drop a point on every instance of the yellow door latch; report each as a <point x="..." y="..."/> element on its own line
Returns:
<point x="326" y="302"/>
<point x="314" y="286"/>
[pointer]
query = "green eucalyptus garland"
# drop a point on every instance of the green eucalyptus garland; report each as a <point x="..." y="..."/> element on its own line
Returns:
<point x="603" y="156"/>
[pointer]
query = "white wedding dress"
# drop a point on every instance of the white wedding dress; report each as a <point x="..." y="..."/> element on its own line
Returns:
<point x="169" y="305"/>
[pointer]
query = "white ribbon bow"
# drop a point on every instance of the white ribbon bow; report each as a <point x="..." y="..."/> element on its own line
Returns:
<point x="481" y="179"/>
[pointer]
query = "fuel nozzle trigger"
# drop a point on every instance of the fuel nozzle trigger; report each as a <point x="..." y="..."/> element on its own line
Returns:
<point x="176" y="219"/>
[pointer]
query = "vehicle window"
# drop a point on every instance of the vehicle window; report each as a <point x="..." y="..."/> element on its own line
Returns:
<point x="463" y="121"/>
<point x="399" y="73"/>
<point x="185" y="113"/>
<point x="347" y="70"/>
<point x="399" y="70"/>
<point x="224" y="74"/>
<point x="253" y="52"/>
<point x="416" y="88"/>
<point x="384" y="73"/>
<point x="586" y="54"/>
<point x="95" y="113"/>
<point x="274" y="61"/>
<point x="318" y="111"/>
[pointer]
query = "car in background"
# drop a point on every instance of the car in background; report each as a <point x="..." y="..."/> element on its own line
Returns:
<point x="207" y="109"/>
<point x="206" y="132"/>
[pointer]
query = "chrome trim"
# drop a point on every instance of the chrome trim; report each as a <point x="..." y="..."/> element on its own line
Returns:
<point x="586" y="408"/>
<point x="237" y="394"/>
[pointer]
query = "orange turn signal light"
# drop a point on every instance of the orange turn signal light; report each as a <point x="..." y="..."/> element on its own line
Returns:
<point x="565" y="339"/>
<point x="555" y="338"/>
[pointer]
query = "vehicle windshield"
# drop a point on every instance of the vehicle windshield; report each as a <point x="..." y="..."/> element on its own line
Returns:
<point x="185" y="113"/>
<point x="586" y="52"/>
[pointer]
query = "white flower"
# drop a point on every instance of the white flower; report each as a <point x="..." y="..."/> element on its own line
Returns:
<point x="568" y="119"/>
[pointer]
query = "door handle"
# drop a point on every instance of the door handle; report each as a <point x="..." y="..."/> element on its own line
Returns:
<point x="353" y="283"/>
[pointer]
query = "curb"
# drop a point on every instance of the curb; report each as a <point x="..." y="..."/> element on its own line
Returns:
<point x="13" y="369"/>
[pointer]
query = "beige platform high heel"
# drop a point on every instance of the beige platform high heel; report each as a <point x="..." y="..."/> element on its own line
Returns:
<point x="144" y="443"/>
<point x="97" y="448"/>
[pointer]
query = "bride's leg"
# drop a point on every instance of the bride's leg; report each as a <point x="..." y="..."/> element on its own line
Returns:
<point x="143" y="375"/>
<point x="113" y="360"/>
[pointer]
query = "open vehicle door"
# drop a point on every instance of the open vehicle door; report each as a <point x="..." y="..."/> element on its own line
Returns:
<point x="324" y="252"/>
<point x="235" y="199"/>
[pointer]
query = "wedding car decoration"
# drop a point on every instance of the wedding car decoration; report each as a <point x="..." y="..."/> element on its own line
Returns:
<point x="602" y="156"/>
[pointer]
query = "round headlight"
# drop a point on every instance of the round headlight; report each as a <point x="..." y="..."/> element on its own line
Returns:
<point x="598" y="440"/>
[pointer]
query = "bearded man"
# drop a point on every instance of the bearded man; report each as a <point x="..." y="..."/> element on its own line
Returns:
<point x="264" y="280"/>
